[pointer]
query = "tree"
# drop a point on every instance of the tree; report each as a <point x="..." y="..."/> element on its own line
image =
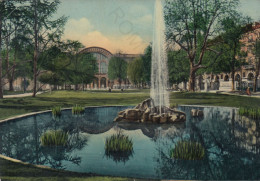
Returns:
<point x="65" y="64"/>
<point x="190" y="25"/>
<point x="2" y="10"/>
<point x="178" y="65"/>
<point x="44" y="30"/>
<point x="82" y="67"/>
<point x="117" y="69"/>
<point x="6" y="8"/>
<point x="147" y="60"/>
<point x="257" y="62"/>
<point x="135" y="71"/>
<point x="231" y="38"/>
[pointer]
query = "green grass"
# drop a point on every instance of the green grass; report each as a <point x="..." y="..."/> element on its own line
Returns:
<point x="56" y="111"/>
<point x="54" y="138"/>
<point x="77" y="109"/>
<point x="188" y="150"/>
<point x="212" y="99"/>
<point x="253" y="113"/>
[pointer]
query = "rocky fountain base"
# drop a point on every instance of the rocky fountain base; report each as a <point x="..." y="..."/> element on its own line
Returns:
<point x="146" y="112"/>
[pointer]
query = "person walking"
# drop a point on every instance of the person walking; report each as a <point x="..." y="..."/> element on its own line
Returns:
<point x="248" y="91"/>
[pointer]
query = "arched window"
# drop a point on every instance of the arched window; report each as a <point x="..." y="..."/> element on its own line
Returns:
<point x="226" y="78"/>
<point x="103" y="82"/>
<point x="250" y="77"/>
<point x="103" y="68"/>
<point x="237" y="77"/>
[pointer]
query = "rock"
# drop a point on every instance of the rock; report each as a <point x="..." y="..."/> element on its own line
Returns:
<point x="119" y="118"/>
<point x="151" y="117"/>
<point x="146" y="115"/>
<point x="196" y="113"/>
<point x="146" y="112"/>
<point x="121" y="113"/>
<point x="133" y="114"/>
<point x="156" y="119"/>
<point x="164" y="118"/>
<point x="173" y="118"/>
<point x="182" y="117"/>
<point x="193" y="112"/>
<point x="200" y="113"/>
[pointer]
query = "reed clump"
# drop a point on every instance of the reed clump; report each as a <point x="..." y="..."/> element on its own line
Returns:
<point x="77" y="109"/>
<point x="188" y="150"/>
<point x="54" y="138"/>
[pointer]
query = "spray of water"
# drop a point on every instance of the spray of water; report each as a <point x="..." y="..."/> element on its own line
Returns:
<point x="159" y="73"/>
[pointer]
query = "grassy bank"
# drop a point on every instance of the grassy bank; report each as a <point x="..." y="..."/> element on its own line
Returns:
<point x="15" y="106"/>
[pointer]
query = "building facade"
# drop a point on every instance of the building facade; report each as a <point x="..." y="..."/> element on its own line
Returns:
<point x="101" y="80"/>
<point x="103" y="56"/>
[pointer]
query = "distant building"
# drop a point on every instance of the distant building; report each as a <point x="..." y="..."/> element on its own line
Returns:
<point x="103" y="56"/>
<point x="101" y="80"/>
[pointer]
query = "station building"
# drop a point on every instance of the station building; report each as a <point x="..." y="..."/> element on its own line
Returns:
<point x="101" y="80"/>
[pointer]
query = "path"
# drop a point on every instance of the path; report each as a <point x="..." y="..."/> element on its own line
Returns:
<point x="21" y="95"/>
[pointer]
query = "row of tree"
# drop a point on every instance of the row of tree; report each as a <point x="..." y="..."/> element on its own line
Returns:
<point x="31" y="46"/>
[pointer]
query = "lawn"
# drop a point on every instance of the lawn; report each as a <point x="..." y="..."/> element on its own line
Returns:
<point x="15" y="106"/>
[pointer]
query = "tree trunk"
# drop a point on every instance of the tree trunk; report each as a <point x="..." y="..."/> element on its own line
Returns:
<point x="119" y="81"/>
<point x="256" y="74"/>
<point x="192" y="79"/>
<point x="7" y="62"/>
<point x="35" y="55"/>
<point x="233" y="80"/>
<point x="24" y="85"/>
<point x="11" y="78"/>
<point x="1" y="84"/>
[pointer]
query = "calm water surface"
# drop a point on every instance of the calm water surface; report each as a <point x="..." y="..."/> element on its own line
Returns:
<point x="232" y="144"/>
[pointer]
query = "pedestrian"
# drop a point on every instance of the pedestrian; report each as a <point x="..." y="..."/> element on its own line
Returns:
<point x="248" y="91"/>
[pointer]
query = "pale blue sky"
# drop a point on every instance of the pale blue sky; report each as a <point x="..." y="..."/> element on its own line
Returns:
<point x="124" y="25"/>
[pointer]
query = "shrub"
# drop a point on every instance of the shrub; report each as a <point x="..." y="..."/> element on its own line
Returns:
<point x="119" y="147"/>
<point x="253" y="113"/>
<point x="54" y="138"/>
<point x="78" y="109"/>
<point x="188" y="150"/>
<point x="56" y="111"/>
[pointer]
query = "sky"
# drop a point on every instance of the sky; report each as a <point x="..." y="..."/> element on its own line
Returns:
<point x="120" y="25"/>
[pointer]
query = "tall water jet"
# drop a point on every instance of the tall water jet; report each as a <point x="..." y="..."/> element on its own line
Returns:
<point x="159" y="72"/>
<point x="155" y="109"/>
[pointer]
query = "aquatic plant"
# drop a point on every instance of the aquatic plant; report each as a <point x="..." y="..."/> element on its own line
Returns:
<point x="56" y="111"/>
<point x="119" y="143"/>
<point x="119" y="147"/>
<point x="253" y="113"/>
<point x="188" y="150"/>
<point x="54" y="138"/>
<point x="77" y="109"/>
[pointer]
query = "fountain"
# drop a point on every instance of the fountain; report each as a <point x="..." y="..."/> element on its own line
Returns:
<point x="159" y="72"/>
<point x="156" y="109"/>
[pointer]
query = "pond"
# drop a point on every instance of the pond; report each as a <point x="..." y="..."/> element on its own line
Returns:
<point x="231" y="142"/>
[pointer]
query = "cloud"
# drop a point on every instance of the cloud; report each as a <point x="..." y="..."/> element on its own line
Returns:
<point x="77" y="27"/>
<point x="83" y="31"/>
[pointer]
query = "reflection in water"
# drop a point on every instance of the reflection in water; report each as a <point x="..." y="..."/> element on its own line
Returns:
<point x="119" y="147"/>
<point x="231" y="142"/>
<point x="232" y="148"/>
